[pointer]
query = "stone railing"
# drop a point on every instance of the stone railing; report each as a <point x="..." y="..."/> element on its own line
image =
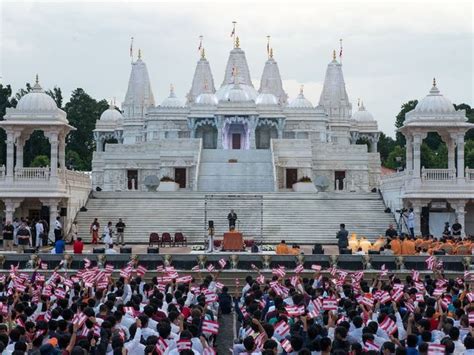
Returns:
<point x="2" y="172"/>
<point x="75" y="177"/>
<point x="469" y="175"/>
<point x="438" y="174"/>
<point x="26" y="174"/>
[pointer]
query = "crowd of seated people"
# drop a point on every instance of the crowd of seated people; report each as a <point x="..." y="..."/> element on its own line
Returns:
<point x="393" y="244"/>
<point x="162" y="311"/>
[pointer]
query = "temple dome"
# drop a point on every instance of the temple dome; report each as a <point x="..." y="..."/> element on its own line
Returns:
<point x="236" y="94"/>
<point x="362" y="114"/>
<point x="172" y="100"/>
<point x="266" y="99"/>
<point x="111" y="114"/>
<point x="434" y="102"/>
<point x="300" y="101"/>
<point x="37" y="100"/>
<point x="206" y="98"/>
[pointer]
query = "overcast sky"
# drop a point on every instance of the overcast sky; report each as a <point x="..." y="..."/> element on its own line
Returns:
<point x="392" y="50"/>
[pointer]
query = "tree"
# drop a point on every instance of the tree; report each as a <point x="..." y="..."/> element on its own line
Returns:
<point x="5" y="102"/>
<point x="82" y="113"/>
<point x="400" y="119"/>
<point x="385" y="145"/>
<point x="40" y="161"/>
<point x="57" y="96"/>
<point x="393" y="157"/>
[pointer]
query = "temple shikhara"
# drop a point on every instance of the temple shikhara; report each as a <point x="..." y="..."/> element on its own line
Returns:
<point x="292" y="166"/>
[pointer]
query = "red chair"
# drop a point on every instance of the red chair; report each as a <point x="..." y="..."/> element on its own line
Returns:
<point x="166" y="238"/>
<point x="180" y="238"/>
<point x="154" y="239"/>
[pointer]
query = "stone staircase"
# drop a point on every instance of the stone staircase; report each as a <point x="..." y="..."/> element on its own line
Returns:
<point x="295" y="217"/>
<point x="236" y="170"/>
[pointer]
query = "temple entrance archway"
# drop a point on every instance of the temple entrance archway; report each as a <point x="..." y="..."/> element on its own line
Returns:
<point x="264" y="135"/>
<point x="208" y="134"/>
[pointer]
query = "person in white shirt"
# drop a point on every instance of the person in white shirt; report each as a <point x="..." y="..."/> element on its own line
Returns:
<point x="57" y="229"/>
<point x="110" y="250"/>
<point x="39" y="234"/>
<point x="108" y="234"/>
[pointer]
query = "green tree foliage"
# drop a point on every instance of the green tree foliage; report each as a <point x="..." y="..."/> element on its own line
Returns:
<point x="5" y="101"/>
<point x="82" y="113"/>
<point x="400" y="119"/>
<point x="57" y="96"/>
<point x="40" y="161"/>
<point x="396" y="153"/>
<point x="385" y="145"/>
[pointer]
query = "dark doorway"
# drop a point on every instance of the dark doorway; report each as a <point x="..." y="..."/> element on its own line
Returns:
<point x="235" y="140"/>
<point x="291" y="177"/>
<point x="180" y="177"/>
<point x="339" y="177"/>
<point x="132" y="177"/>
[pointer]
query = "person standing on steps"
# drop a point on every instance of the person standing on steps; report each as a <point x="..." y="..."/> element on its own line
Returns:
<point x="120" y="228"/>
<point x="39" y="229"/>
<point x="94" y="230"/>
<point x="108" y="232"/>
<point x="342" y="240"/>
<point x="232" y="217"/>
<point x="8" y="236"/>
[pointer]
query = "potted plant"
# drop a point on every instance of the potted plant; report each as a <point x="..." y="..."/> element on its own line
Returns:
<point x="168" y="184"/>
<point x="304" y="184"/>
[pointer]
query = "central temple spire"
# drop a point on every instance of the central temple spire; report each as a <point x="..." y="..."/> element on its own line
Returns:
<point x="334" y="97"/>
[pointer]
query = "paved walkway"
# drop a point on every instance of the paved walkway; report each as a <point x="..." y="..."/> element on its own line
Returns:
<point x="225" y="339"/>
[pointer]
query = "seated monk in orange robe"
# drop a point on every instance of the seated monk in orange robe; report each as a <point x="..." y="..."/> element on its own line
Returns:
<point x="408" y="247"/>
<point x="282" y="248"/>
<point x="396" y="246"/>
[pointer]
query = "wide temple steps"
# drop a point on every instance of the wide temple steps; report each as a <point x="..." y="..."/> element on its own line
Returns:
<point x="267" y="217"/>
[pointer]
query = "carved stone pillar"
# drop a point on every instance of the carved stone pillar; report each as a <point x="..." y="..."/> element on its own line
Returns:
<point x="374" y="139"/>
<point x="11" y="204"/>
<point x="54" y="142"/>
<point x="460" y="147"/>
<point x="281" y="127"/>
<point x="53" y="205"/>
<point x="451" y="145"/>
<point x="409" y="153"/>
<point x="62" y="152"/>
<point x="252" y="125"/>
<point x="417" y="205"/>
<point x="20" y="146"/>
<point x="219" y="125"/>
<point x="10" y="155"/>
<point x="417" y="140"/>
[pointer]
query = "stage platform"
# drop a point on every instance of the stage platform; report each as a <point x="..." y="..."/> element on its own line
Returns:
<point x="265" y="218"/>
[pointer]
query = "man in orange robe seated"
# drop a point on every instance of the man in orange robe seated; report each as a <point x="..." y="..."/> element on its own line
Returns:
<point x="282" y="248"/>
<point x="396" y="246"/>
<point x="408" y="246"/>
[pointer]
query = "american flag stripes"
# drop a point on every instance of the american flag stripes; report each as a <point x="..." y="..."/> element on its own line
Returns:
<point x="388" y="325"/>
<point x="183" y="344"/>
<point x="279" y="271"/>
<point x="383" y="271"/>
<point x="210" y="268"/>
<point x="260" y="279"/>
<point x="295" y="311"/>
<point x="316" y="267"/>
<point x="141" y="270"/>
<point x="370" y="345"/>
<point x="209" y="326"/>
<point x="329" y="304"/>
<point x="436" y="349"/>
<point x="470" y="296"/>
<point x="415" y="275"/>
<point x="471" y="318"/>
<point x="299" y="269"/>
<point x="79" y="319"/>
<point x="430" y="262"/>
<point x="282" y="329"/>
<point x="222" y="263"/>
<point x="286" y="345"/>
<point x="209" y="351"/>
<point x="60" y="293"/>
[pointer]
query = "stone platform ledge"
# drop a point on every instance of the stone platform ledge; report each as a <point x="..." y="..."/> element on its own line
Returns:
<point x="453" y="264"/>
